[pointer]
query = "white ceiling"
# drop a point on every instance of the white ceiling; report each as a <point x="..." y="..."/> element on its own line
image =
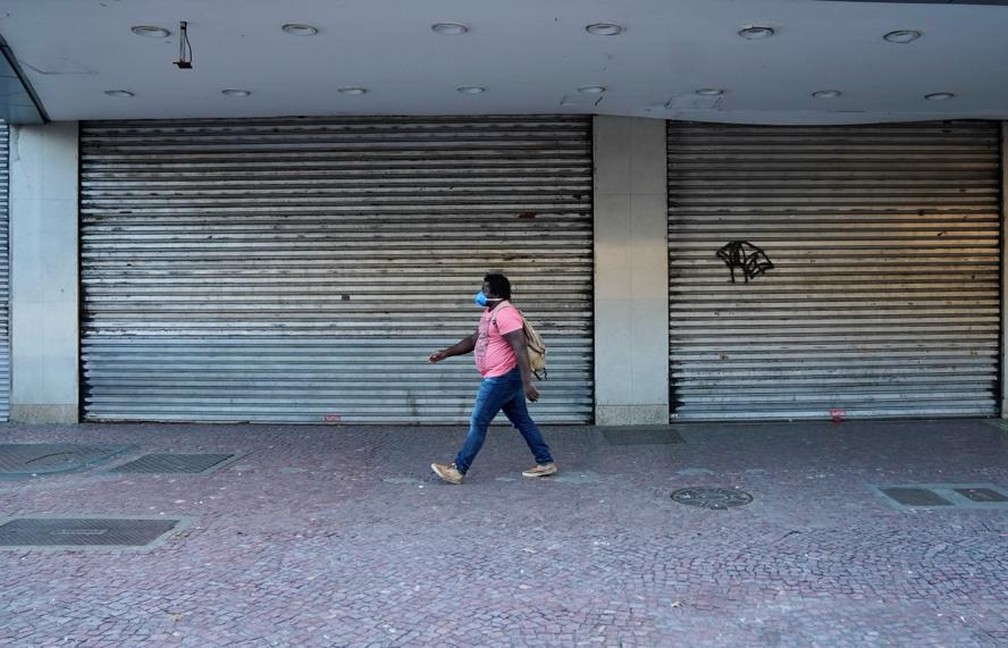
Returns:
<point x="530" y="55"/>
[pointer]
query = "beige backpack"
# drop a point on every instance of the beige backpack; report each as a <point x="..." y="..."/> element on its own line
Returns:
<point x="535" y="345"/>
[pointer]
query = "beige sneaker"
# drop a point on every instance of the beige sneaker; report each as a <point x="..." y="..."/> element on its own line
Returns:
<point x="447" y="472"/>
<point x="541" y="470"/>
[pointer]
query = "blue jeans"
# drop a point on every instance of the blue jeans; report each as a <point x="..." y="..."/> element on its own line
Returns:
<point x="495" y="394"/>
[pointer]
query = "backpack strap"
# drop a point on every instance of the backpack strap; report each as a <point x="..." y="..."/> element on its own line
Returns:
<point x="493" y="320"/>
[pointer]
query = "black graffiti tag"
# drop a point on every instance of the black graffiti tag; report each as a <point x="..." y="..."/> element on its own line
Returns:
<point x="745" y="256"/>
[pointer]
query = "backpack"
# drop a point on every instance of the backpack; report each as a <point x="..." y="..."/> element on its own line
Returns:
<point x="534" y="344"/>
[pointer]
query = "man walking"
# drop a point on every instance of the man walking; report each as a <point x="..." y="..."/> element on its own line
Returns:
<point x="502" y="359"/>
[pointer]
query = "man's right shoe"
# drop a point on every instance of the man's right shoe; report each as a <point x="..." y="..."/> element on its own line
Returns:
<point x="447" y="472"/>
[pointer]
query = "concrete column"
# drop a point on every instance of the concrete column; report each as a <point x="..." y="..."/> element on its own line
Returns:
<point x="631" y="272"/>
<point x="44" y="273"/>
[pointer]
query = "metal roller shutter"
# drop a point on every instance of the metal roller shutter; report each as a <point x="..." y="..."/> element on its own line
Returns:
<point x="884" y="296"/>
<point x="301" y="270"/>
<point x="5" y="350"/>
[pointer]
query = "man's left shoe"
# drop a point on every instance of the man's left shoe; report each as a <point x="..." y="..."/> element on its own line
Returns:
<point x="540" y="470"/>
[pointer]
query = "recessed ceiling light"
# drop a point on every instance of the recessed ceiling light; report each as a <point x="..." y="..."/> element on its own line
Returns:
<point x="604" y="29"/>
<point x="591" y="89"/>
<point x="119" y="93"/>
<point x="471" y="89"/>
<point x="939" y="96"/>
<point x="709" y="92"/>
<point x="300" y="29"/>
<point x="826" y="94"/>
<point x="351" y="90"/>
<point x="150" y="31"/>
<point x="449" y="28"/>
<point x="756" y="32"/>
<point x="903" y="36"/>
<point x="235" y="92"/>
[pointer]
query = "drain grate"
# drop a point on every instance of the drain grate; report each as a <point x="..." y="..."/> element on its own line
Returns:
<point x="174" y="463"/>
<point x="982" y="494"/>
<point x="909" y="496"/>
<point x="641" y="435"/>
<point x="947" y="496"/>
<point x="717" y="499"/>
<point x="34" y="459"/>
<point x="83" y="532"/>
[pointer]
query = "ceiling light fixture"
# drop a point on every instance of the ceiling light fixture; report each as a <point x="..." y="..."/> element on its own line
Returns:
<point x="826" y="94"/>
<point x="150" y="31"/>
<point x="604" y="29"/>
<point x="235" y="92"/>
<point x="756" y="32"/>
<point x="709" y="92"/>
<point x="352" y="90"/>
<point x="449" y="28"/>
<point x="939" y="96"/>
<point x="903" y="36"/>
<point x="300" y="29"/>
<point x="591" y="89"/>
<point x="471" y="89"/>
<point x="125" y="94"/>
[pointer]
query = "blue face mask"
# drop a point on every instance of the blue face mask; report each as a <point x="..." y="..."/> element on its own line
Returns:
<point x="481" y="300"/>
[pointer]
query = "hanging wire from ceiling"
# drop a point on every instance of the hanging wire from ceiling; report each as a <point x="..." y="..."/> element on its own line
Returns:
<point x="184" y="61"/>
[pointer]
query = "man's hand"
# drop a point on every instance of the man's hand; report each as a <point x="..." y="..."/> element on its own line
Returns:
<point x="463" y="346"/>
<point x="531" y="393"/>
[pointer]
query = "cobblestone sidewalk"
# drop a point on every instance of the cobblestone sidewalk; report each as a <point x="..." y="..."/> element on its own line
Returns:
<point x="341" y="536"/>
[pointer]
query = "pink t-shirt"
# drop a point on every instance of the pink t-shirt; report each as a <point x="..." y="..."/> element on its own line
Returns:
<point x="494" y="355"/>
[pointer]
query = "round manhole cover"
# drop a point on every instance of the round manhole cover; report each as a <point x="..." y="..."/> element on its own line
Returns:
<point x="712" y="498"/>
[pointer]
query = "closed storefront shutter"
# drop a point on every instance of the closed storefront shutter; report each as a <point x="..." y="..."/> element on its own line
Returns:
<point x="302" y="270"/>
<point x="883" y="298"/>
<point x="5" y="351"/>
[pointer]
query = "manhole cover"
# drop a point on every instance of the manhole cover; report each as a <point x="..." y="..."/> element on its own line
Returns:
<point x="712" y="498"/>
<point x="173" y="463"/>
<point x="83" y="532"/>
<point x="32" y="459"/>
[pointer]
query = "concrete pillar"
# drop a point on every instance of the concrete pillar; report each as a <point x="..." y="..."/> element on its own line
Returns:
<point x="44" y="273"/>
<point x="631" y="272"/>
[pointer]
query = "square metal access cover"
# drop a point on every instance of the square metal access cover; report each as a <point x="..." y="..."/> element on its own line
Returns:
<point x="36" y="459"/>
<point x="641" y="435"/>
<point x="946" y="496"/>
<point x="174" y="463"/>
<point x="982" y="494"/>
<point x="909" y="496"/>
<point x="86" y="532"/>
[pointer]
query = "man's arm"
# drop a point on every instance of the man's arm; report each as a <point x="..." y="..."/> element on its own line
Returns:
<point x="462" y="347"/>
<point x="517" y="341"/>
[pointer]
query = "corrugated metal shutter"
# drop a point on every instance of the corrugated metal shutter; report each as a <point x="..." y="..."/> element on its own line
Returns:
<point x="5" y="350"/>
<point x="884" y="296"/>
<point x="301" y="270"/>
